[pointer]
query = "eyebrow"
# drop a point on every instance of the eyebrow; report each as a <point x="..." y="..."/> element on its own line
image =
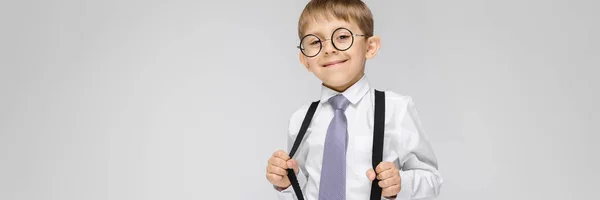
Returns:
<point x="320" y="34"/>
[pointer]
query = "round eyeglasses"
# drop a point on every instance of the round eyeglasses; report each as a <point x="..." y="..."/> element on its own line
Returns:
<point x="341" y="39"/>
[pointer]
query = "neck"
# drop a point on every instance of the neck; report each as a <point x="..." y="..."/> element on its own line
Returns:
<point x="343" y="88"/>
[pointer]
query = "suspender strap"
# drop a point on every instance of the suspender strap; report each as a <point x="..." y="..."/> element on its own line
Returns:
<point x="303" y="128"/>
<point x="378" y="133"/>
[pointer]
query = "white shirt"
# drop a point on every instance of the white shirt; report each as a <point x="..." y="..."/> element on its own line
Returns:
<point x="405" y="144"/>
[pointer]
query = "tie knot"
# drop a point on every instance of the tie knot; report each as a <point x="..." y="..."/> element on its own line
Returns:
<point x="339" y="102"/>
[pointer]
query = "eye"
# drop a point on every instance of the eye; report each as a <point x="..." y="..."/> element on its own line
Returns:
<point x="343" y="37"/>
<point x="316" y="42"/>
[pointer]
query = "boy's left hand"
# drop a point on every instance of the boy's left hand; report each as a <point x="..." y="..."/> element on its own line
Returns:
<point x="389" y="178"/>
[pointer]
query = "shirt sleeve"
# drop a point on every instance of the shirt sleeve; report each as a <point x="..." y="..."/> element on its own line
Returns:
<point x="289" y="193"/>
<point x="420" y="177"/>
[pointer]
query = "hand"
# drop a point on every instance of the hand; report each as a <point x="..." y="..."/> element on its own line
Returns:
<point x="276" y="169"/>
<point x="389" y="178"/>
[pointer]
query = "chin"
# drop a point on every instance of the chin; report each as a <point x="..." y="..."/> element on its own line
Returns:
<point x="337" y="82"/>
<point x="337" y="79"/>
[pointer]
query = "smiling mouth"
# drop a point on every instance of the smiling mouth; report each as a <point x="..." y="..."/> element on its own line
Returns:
<point x="329" y="64"/>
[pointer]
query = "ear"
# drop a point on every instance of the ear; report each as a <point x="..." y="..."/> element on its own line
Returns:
<point x="373" y="45"/>
<point x="303" y="61"/>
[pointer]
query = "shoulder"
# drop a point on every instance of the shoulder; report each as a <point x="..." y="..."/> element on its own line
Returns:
<point x="398" y="105"/>
<point x="300" y="112"/>
<point x="395" y="99"/>
<point x="297" y="117"/>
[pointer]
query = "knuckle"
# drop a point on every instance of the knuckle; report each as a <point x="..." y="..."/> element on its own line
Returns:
<point x="380" y="167"/>
<point x="393" y="173"/>
<point x="385" y="192"/>
<point x="384" y="174"/>
<point x="281" y="163"/>
<point x="282" y="171"/>
<point x="270" y="177"/>
<point x="387" y="182"/>
<point x="387" y="165"/>
<point x="274" y="177"/>
<point x="270" y="168"/>
<point x="282" y="154"/>
<point x="275" y="170"/>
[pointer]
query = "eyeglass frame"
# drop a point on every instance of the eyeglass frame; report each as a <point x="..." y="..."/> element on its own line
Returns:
<point x="332" y="43"/>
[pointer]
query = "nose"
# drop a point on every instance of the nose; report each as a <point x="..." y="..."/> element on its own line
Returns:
<point x="328" y="47"/>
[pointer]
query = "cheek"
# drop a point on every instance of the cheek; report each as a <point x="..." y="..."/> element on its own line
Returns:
<point x="358" y="57"/>
<point x="359" y="50"/>
<point x="312" y="63"/>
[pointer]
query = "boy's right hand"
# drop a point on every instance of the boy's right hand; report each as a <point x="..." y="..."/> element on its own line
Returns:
<point x="276" y="169"/>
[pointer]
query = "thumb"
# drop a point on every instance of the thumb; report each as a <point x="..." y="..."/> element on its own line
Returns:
<point x="371" y="174"/>
<point x="293" y="164"/>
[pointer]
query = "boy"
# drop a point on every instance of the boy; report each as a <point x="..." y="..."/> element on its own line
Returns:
<point x="333" y="162"/>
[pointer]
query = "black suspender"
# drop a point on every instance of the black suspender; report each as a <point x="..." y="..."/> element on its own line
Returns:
<point x="303" y="128"/>
<point x="378" y="135"/>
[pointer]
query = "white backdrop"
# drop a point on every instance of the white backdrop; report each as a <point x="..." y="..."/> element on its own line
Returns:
<point x="187" y="99"/>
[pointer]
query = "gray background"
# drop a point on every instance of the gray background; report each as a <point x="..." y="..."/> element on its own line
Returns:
<point x="188" y="99"/>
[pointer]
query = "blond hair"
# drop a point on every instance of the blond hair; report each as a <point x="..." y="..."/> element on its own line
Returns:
<point x="347" y="10"/>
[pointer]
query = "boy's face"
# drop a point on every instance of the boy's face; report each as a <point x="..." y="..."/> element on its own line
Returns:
<point x="338" y="69"/>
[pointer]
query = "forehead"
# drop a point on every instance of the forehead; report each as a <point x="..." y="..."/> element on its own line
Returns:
<point x="323" y="25"/>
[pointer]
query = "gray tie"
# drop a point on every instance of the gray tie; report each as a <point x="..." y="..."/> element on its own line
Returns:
<point x="333" y="172"/>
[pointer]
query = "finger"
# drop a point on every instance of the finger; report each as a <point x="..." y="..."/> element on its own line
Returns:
<point x="274" y="177"/>
<point x="281" y="154"/>
<point x="277" y="170"/>
<point x="371" y="174"/>
<point x="293" y="164"/>
<point x="390" y="191"/>
<point x="383" y="166"/>
<point x="389" y="182"/>
<point x="278" y="162"/>
<point x="387" y="174"/>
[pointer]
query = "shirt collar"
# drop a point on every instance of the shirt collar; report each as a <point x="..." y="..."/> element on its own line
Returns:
<point x="354" y="93"/>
